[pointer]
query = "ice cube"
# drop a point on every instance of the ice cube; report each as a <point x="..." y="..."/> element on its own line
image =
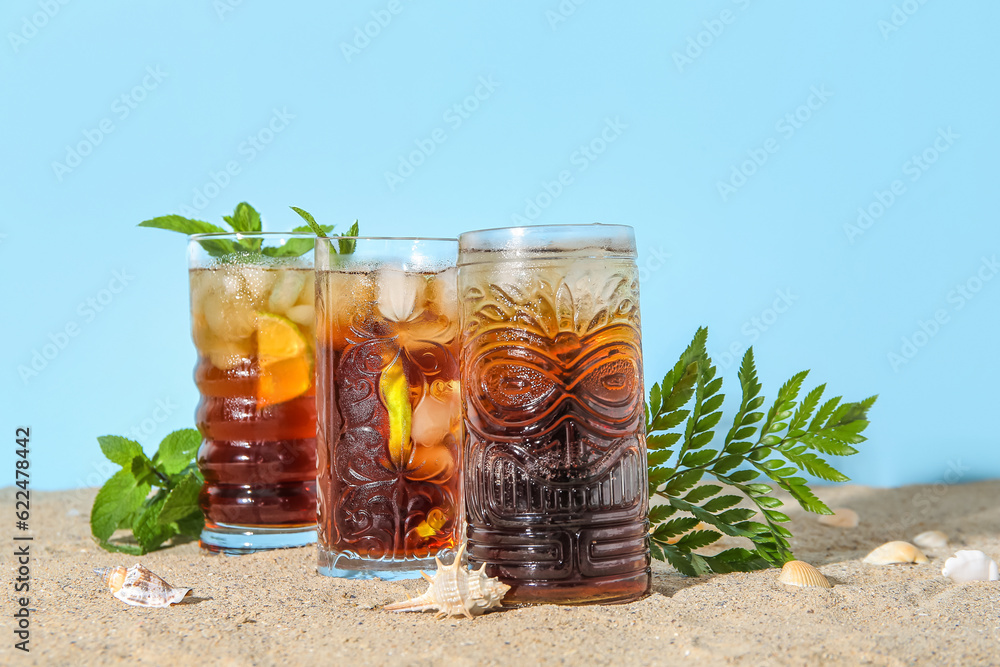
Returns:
<point x="229" y="320"/>
<point x="286" y="290"/>
<point x="304" y="314"/>
<point x="401" y="295"/>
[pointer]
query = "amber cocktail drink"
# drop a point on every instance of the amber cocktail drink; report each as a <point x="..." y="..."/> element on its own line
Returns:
<point x="389" y="437"/>
<point x="252" y="317"/>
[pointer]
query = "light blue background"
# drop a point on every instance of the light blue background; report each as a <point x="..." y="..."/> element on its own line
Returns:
<point x="778" y="241"/>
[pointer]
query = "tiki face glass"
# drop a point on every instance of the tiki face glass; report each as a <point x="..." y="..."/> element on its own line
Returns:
<point x="389" y="419"/>
<point x="252" y="320"/>
<point x="555" y="484"/>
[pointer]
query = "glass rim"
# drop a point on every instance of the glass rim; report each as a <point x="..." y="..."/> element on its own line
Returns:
<point x="236" y="235"/>
<point x="557" y="226"/>
<point x="580" y="241"/>
<point x="452" y="239"/>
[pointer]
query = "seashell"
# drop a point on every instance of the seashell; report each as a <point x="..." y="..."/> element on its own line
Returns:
<point x="970" y="565"/>
<point x="841" y="518"/>
<point x="139" y="587"/>
<point x="798" y="573"/>
<point x="456" y="592"/>
<point x="931" y="539"/>
<point x="895" y="552"/>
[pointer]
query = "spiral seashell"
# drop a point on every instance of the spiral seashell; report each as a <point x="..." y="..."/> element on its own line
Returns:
<point x="931" y="539"/>
<point x="895" y="552"/>
<point x="799" y="573"/>
<point x="970" y="565"/>
<point x="139" y="587"/>
<point x="841" y="518"/>
<point x="456" y="592"/>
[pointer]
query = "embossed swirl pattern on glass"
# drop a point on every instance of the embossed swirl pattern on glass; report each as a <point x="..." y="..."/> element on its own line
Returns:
<point x="390" y="427"/>
<point x="556" y="478"/>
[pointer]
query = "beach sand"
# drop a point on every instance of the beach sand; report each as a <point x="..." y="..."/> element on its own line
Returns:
<point x="273" y="609"/>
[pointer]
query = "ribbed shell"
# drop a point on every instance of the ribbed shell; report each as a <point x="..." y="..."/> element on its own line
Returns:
<point x="799" y="573"/>
<point x="895" y="552"/>
<point x="456" y="592"/>
<point x="139" y="587"/>
<point x="841" y="518"/>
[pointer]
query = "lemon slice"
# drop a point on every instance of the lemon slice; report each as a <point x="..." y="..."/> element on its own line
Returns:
<point x="285" y="360"/>
<point x="395" y="393"/>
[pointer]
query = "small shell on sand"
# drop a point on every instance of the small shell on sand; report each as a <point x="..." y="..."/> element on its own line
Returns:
<point x="896" y="552"/>
<point x="841" y="518"/>
<point x="970" y="565"/>
<point x="455" y="591"/>
<point x="798" y="573"/>
<point x="931" y="539"/>
<point x="139" y="587"/>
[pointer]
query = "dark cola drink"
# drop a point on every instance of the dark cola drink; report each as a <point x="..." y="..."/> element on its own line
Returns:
<point x="390" y="495"/>
<point x="555" y="483"/>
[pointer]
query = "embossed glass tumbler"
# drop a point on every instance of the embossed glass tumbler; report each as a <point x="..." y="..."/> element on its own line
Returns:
<point x="252" y="320"/>
<point x="555" y="480"/>
<point x="390" y="495"/>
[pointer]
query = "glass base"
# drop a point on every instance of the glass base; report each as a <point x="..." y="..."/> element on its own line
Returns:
<point x="238" y="540"/>
<point x="346" y="566"/>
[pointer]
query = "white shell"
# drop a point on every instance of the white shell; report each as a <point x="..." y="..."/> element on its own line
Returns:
<point x="799" y="573"/>
<point x="896" y="552"/>
<point x="456" y="592"/>
<point x="931" y="539"/>
<point x="139" y="587"/>
<point x="841" y="518"/>
<point x="970" y="565"/>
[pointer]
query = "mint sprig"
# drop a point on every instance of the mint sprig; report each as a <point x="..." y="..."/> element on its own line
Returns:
<point x="777" y="445"/>
<point x="128" y="501"/>
<point x="246" y="219"/>
<point x="345" y="246"/>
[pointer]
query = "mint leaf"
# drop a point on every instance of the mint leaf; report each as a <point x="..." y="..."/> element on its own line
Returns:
<point x="347" y="246"/>
<point x="122" y="548"/>
<point x="182" y="501"/>
<point x="176" y="451"/>
<point x="120" y="496"/>
<point x="295" y="247"/>
<point x="148" y="530"/>
<point x="176" y="223"/>
<point x="244" y="219"/>
<point x="313" y="225"/>
<point x="120" y="450"/>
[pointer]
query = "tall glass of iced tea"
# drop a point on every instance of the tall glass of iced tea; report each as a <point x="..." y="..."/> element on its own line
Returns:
<point x="555" y="482"/>
<point x="252" y="317"/>
<point x="389" y="424"/>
